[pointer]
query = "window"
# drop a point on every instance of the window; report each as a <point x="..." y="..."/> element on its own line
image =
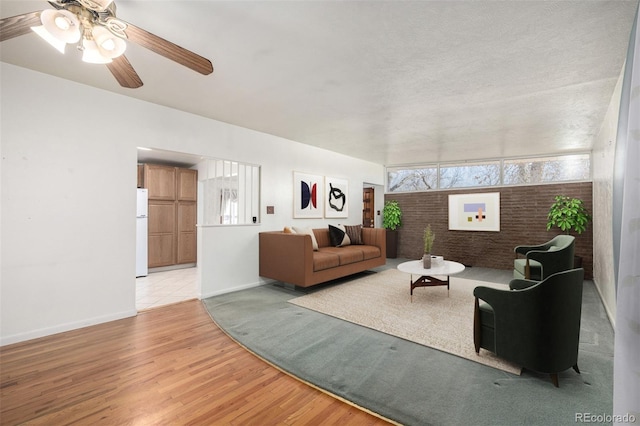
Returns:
<point x="547" y="169"/>
<point x="231" y="192"/>
<point x="518" y="171"/>
<point x="414" y="179"/>
<point x="469" y="175"/>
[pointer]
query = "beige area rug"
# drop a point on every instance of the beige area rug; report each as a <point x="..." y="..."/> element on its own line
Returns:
<point x="382" y="301"/>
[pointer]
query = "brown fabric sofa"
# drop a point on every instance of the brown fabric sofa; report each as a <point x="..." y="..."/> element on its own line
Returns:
<point x="290" y="258"/>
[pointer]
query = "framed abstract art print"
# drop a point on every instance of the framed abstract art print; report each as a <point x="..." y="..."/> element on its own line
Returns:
<point x="336" y="199"/>
<point x="308" y="195"/>
<point x="475" y="212"/>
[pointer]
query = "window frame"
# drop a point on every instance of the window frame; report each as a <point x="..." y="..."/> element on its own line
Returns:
<point x="501" y="161"/>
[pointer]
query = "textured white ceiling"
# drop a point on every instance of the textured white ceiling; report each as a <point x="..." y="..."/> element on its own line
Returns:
<point x="386" y="81"/>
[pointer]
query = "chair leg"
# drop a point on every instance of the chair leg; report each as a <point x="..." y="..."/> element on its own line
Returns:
<point x="477" y="328"/>
<point x="554" y="376"/>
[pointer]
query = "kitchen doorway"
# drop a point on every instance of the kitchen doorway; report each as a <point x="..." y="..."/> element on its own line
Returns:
<point x="171" y="237"/>
<point x="166" y="287"/>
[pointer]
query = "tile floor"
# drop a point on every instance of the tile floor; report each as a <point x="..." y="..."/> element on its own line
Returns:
<point x="166" y="287"/>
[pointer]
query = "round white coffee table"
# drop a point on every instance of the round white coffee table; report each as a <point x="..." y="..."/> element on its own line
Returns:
<point x="427" y="276"/>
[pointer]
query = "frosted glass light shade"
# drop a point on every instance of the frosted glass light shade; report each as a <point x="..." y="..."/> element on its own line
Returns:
<point x="91" y="54"/>
<point x="46" y="36"/>
<point x="99" y="4"/>
<point x="61" y="24"/>
<point x="109" y="45"/>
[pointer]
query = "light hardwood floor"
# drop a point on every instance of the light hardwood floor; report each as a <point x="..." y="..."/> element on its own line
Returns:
<point x="167" y="366"/>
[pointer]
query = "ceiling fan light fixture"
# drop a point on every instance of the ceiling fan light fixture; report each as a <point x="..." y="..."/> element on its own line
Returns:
<point x="61" y="24"/>
<point x="109" y="45"/>
<point x="91" y="53"/>
<point x="98" y="5"/>
<point x="46" y="36"/>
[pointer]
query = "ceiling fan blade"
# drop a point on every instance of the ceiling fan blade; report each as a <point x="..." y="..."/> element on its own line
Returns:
<point x="125" y="74"/>
<point x="168" y="50"/>
<point x="18" y="25"/>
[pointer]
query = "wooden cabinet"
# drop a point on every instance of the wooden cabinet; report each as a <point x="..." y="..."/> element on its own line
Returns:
<point x="160" y="181"/>
<point x="140" y="176"/>
<point x="186" y="232"/>
<point x="172" y="214"/>
<point x="162" y="231"/>
<point x="187" y="185"/>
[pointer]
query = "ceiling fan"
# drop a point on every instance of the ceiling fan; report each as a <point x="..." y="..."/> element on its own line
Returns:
<point x="93" y="26"/>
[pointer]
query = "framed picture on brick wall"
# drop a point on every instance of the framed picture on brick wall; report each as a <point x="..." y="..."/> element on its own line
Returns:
<point x="474" y="212"/>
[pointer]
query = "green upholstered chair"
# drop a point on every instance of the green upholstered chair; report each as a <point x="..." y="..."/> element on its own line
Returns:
<point x="545" y="259"/>
<point x="536" y="324"/>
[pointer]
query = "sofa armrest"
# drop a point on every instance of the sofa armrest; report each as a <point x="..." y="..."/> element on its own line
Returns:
<point x="285" y="257"/>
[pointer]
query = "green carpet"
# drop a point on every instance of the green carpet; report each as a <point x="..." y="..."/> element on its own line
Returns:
<point x="408" y="382"/>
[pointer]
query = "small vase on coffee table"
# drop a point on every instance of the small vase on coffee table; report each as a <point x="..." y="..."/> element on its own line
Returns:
<point x="426" y="261"/>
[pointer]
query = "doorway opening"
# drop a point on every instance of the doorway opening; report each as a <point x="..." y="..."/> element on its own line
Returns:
<point x="368" y="207"/>
<point x="372" y="205"/>
<point x="171" y="183"/>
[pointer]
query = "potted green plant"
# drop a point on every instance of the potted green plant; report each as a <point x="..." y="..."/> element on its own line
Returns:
<point x="428" y="238"/>
<point x="391" y="220"/>
<point x="569" y="214"/>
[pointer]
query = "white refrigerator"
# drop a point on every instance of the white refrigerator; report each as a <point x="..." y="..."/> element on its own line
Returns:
<point x="141" y="233"/>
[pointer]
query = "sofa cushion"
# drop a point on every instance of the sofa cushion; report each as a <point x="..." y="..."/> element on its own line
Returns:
<point x="322" y="237"/>
<point x="323" y="259"/>
<point x="338" y="236"/>
<point x="370" y="252"/>
<point x="486" y="314"/>
<point x="308" y="231"/>
<point x="355" y="233"/>
<point x="346" y="255"/>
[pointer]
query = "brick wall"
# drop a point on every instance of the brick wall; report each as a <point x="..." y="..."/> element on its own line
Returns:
<point x="523" y="220"/>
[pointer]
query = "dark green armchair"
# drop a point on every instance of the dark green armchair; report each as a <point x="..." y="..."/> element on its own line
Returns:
<point x="544" y="259"/>
<point x="535" y="324"/>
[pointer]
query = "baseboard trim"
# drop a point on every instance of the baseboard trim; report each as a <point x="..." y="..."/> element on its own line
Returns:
<point x="612" y="318"/>
<point x="61" y="328"/>
<point x="231" y="289"/>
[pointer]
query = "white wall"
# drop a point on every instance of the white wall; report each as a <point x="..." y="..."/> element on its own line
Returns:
<point x="68" y="199"/>
<point x="603" y="156"/>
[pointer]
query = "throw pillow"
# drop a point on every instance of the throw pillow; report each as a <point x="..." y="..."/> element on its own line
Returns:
<point x="338" y="236"/>
<point x="355" y="233"/>
<point x="309" y="231"/>
<point x="288" y="230"/>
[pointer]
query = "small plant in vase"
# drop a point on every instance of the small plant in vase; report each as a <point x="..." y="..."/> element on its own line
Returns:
<point x="428" y="238"/>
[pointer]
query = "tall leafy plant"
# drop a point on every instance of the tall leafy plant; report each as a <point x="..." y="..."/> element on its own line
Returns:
<point x="428" y="238"/>
<point x="391" y="215"/>
<point x="568" y="214"/>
